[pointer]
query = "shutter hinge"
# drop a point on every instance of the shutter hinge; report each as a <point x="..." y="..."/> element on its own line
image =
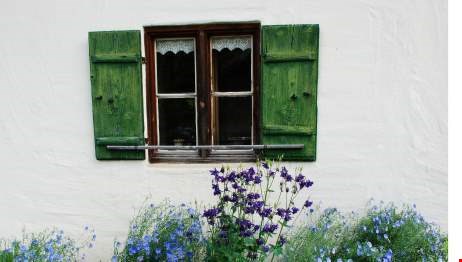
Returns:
<point x="143" y="60"/>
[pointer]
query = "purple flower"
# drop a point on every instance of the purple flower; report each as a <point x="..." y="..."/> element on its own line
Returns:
<point x="288" y="178"/>
<point x="308" y="183"/>
<point x="249" y="210"/>
<point x="246" y="233"/>
<point x="253" y="196"/>
<point x="214" y="172"/>
<point x="295" y="210"/>
<point x="244" y="224"/>
<point x="271" y="173"/>
<point x="270" y="228"/>
<point x="234" y="198"/>
<point x="265" y="165"/>
<point x="231" y="176"/>
<point x="308" y="203"/>
<point x="280" y="212"/>
<point x="282" y="240"/>
<point x="265" y="212"/>
<point x="265" y="248"/>
<point x="258" y="204"/>
<point x="241" y="190"/>
<point x="216" y="189"/>
<point x="284" y="172"/>
<point x="257" y="180"/>
<point x="260" y="241"/>
<point x="299" y="178"/>
<point x="251" y="171"/>
<point x="211" y="213"/>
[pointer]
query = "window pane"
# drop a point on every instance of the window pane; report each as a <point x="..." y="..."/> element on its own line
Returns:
<point x="175" y="66"/>
<point x="231" y="70"/>
<point x="233" y="120"/>
<point x="177" y="121"/>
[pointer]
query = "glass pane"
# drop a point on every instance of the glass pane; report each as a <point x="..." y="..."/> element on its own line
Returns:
<point x="231" y="70"/>
<point x="175" y="66"/>
<point x="232" y="120"/>
<point x="177" y="121"/>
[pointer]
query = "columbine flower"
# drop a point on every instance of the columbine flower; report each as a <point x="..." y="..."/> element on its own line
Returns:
<point x="210" y="213"/>
<point x="308" y="203"/>
<point x="282" y="240"/>
<point x="265" y="212"/>
<point x="308" y="183"/>
<point x="270" y="228"/>
<point x="216" y="189"/>
<point x="284" y="172"/>
<point x="299" y="178"/>
<point x="257" y="180"/>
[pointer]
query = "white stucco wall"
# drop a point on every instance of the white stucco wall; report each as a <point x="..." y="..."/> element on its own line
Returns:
<point x="382" y="129"/>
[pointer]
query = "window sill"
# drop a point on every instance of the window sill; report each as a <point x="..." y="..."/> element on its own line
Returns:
<point x="232" y="156"/>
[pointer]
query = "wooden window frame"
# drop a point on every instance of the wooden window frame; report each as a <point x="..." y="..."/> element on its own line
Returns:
<point x="202" y="33"/>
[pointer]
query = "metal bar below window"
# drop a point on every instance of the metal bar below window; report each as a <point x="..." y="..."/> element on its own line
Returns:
<point x="232" y="94"/>
<point x="185" y="95"/>
<point x="216" y="147"/>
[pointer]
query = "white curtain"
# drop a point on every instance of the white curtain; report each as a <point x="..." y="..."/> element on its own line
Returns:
<point x="174" y="45"/>
<point x="231" y="43"/>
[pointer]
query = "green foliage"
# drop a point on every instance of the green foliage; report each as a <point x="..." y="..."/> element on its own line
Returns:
<point x="163" y="233"/>
<point x="384" y="233"/>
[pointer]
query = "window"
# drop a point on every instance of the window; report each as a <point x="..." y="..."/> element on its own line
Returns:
<point x="214" y="92"/>
<point x="202" y="87"/>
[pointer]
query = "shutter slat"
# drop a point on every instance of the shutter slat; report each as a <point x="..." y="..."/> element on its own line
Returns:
<point x="117" y="95"/>
<point x="289" y="89"/>
<point x="287" y="130"/>
<point x="120" y="141"/>
<point x="288" y="57"/>
<point x="115" y="58"/>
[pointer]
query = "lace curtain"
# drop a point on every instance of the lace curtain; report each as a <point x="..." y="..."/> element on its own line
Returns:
<point x="218" y="43"/>
<point x="175" y="46"/>
<point x="231" y="43"/>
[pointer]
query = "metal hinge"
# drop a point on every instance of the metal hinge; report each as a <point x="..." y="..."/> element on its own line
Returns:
<point x="143" y="60"/>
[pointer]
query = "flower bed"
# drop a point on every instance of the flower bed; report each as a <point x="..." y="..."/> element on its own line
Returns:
<point x="254" y="219"/>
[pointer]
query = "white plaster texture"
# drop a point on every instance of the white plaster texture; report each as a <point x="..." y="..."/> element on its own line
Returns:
<point x="382" y="129"/>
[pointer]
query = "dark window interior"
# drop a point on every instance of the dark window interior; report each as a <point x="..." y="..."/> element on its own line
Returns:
<point x="233" y="120"/>
<point x="232" y="70"/>
<point x="177" y="121"/>
<point x="175" y="73"/>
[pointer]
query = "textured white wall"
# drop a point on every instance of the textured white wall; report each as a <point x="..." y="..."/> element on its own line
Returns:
<point x="382" y="128"/>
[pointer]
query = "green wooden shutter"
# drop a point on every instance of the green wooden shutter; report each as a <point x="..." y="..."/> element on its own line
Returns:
<point x="117" y="97"/>
<point x="289" y="89"/>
